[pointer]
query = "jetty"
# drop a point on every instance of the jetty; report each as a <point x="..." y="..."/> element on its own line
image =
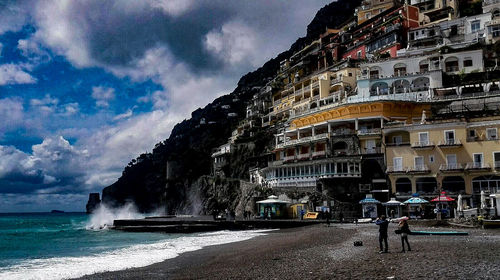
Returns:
<point x="170" y="224"/>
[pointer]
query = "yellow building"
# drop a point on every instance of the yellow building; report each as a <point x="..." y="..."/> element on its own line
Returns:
<point x="371" y="8"/>
<point x="455" y="156"/>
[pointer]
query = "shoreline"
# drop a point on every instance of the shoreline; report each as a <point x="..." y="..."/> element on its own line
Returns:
<point x="320" y="252"/>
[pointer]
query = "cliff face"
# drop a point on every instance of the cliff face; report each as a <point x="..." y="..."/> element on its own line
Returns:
<point x="188" y="149"/>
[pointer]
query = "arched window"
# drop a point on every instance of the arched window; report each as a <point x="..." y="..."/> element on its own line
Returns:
<point x="403" y="186"/>
<point x="400" y="69"/>
<point x="426" y="185"/>
<point x="495" y="14"/>
<point x="451" y="64"/>
<point x="423" y="66"/>
<point x="375" y="72"/>
<point x="453" y="184"/>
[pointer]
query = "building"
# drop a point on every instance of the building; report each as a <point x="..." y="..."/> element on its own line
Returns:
<point x="371" y="8"/>
<point x="459" y="155"/>
<point x="435" y="11"/>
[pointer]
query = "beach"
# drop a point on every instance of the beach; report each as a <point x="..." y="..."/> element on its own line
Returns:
<point x="321" y="252"/>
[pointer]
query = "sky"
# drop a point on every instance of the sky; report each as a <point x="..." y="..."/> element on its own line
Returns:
<point x="86" y="86"/>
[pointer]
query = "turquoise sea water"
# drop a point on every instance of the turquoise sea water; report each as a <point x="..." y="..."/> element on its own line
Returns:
<point x="61" y="246"/>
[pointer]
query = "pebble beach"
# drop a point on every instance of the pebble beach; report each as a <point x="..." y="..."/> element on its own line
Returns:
<point x="322" y="252"/>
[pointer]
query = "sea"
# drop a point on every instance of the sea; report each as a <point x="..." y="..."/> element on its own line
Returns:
<point x="70" y="245"/>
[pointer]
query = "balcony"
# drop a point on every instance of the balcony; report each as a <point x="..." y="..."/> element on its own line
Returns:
<point x="450" y="143"/>
<point x="420" y="168"/>
<point x="396" y="169"/>
<point x="497" y="165"/>
<point x="371" y="151"/>
<point x="318" y="154"/>
<point x="369" y="132"/>
<point x="319" y="137"/>
<point x="452" y="167"/>
<point x="477" y="166"/>
<point x="397" y="144"/>
<point x="289" y="158"/>
<point x="343" y="132"/>
<point x="423" y="145"/>
<point x="303" y="156"/>
<point x="315" y="85"/>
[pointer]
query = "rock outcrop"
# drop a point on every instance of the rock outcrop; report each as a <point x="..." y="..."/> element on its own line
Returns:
<point x="93" y="203"/>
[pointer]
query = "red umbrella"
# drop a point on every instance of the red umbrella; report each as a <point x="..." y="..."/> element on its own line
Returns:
<point x="443" y="198"/>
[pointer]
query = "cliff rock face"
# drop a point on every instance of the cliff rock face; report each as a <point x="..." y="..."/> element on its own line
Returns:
<point x="151" y="183"/>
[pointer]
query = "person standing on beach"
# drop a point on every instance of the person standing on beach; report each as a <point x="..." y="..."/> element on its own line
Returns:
<point x="383" y="226"/>
<point x="405" y="230"/>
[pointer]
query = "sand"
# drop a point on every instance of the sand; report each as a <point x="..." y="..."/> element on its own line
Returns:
<point x="321" y="252"/>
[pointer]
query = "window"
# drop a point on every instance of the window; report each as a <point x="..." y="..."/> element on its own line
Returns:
<point x="496" y="159"/>
<point x="423" y="138"/>
<point x="451" y="161"/>
<point x="350" y="74"/>
<point x="494" y="30"/>
<point x="397" y="140"/>
<point x="398" y="163"/>
<point x="431" y="158"/>
<point x="471" y="135"/>
<point x="359" y="54"/>
<point x="419" y="163"/>
<point x="478" y="160"/>
<point x="368" y="15"/>
<point x="449" y="137"/>
<point x="475" y="26"/>
<point x="491" y="134"/>
<point x="468" y="62"/>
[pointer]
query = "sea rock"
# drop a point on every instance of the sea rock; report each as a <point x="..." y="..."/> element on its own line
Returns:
<point x="93" y="203"/>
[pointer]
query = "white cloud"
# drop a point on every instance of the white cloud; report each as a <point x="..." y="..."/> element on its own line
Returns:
<point x="234" y="43"/>
<point x="46" y="105"/>
<point x="14" y="74"/>
<point x="173" y="7"/>
<point x="125" y="115"/>
<point x="11" y="114"/>
<point x="13" y="15"/>
<point x="32" y="50"/>
<point x="103" y="95"/>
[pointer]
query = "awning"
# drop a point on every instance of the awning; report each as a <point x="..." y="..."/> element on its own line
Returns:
<point x="393" y="202"/>
<point x="272" y="199"/>
<point x="369" y="200"/>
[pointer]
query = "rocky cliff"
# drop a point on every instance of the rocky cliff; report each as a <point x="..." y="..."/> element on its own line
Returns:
<point x="172" y="173"/>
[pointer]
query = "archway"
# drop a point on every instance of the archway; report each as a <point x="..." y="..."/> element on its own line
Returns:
<point x="403" y="186"/>
<point x="423" y="66"/>
<point x="401" y="86"/>
<point x="399" y="69"/>
<point x="451" y="64"/>
<point x="453" y="184"/>
<point x="421" y="84"/>
<point x="426" y="185"/>
<point x="379" y="88"/>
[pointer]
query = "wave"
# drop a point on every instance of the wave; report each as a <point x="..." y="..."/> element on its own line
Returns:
<point x="104" y="216"/>
<point x="130" y="257"/>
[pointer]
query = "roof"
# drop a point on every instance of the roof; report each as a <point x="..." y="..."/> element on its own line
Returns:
<point x="415" y="200"/>
<point x="392" y="202"/>
<point x="369" y="200"/>
<point x="272" y="200"/>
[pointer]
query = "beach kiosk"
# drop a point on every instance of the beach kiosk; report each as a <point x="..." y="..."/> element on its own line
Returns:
<point x="369" y="206"/>
<point x="415" y="206"/>
<point x="393" y="208"/>
<point x="272" y="207"/>
<point x="442" y="202"/>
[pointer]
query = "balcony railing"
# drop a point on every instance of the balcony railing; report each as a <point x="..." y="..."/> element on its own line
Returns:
<point x="450" y="142"/>
<point x="497" y="164"/>
<point x="321" y="136"/>
<point x="319" y="154"/>
<point x="451" y="167"/>
<point x="397" y="144"/>
<point x="423" y="145"/>
<point x="370" y="151"/>
<point x="372" y="131"/>
<point x="420" y="168"/>
<point x="289" y="158"/>
<point x="303" y="156"/>
<point x="396" y="169"/>
<point x="315" y="84"/>
<point x="477" y="166"/>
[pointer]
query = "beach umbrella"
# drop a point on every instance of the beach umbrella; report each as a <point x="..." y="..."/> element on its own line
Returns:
<point x="443" y="198"/>
<point x="483" y="200"/>
<point x="460" y="206"/>
<point x="416" y="200"/>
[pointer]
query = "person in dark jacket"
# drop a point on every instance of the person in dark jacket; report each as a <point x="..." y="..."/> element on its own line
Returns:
<point x="405" y="230"/>
<point x="382" y="237"/>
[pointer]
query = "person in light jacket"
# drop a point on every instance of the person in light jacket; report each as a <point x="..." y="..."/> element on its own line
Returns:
<point x="405" y="230"/>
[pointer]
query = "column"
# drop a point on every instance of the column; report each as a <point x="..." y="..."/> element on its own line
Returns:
<point x="329" y="129"/>
<point x="382" y="122"/>
<point x="313" y="131"/>
<point x="276" y="138"/>
<point x="298" y="134"/>
<point x="356" y="123"/>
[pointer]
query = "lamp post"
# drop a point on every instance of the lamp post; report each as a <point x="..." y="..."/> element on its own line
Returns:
<point x="438" y="214"/>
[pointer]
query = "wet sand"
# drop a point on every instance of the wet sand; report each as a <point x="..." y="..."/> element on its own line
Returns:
<point x="320" y="252"/>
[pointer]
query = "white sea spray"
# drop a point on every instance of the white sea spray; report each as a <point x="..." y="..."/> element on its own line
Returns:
<point x="104" y="216"/>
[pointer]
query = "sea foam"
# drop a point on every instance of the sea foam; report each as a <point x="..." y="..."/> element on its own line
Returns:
<point x="104" y="216"/>
<point x="130" y="257"/>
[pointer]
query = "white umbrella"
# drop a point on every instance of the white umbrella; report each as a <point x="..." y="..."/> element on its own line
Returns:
<point x="460" y="206"/>
<point x="483" y="200"/>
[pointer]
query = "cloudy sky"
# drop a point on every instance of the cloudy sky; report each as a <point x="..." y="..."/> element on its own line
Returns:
<point x="85" y="86"/>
